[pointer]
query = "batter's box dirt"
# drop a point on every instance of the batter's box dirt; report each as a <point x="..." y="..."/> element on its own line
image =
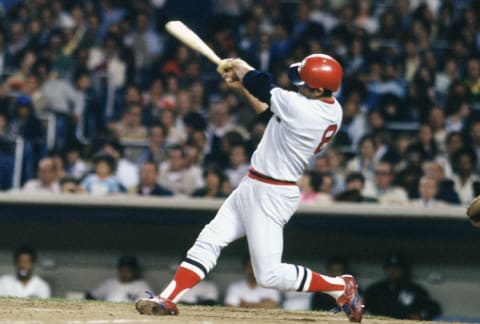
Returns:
<point x="22" y="311"/>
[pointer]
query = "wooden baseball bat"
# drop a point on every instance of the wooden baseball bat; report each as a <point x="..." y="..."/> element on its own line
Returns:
<point x="180" y="31"/>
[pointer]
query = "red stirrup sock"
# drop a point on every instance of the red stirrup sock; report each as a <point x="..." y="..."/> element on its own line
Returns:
<point x="310" y="281"/>
<point x="189" y="273"/>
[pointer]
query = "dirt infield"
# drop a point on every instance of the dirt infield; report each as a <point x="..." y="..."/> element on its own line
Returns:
<point x="18" y="311"/>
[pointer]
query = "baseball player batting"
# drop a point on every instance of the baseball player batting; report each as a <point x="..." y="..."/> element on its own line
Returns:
<point x="302" y="123"/>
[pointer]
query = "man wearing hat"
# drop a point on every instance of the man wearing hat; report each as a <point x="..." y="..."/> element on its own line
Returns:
<point x="398" y="296"/>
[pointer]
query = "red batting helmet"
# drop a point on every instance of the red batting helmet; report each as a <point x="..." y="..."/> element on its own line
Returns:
<point x="317" y="71"/>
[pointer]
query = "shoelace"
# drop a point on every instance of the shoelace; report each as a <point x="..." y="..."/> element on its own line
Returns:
<point x="335" y="310"/>
<point x="150" y="294"/>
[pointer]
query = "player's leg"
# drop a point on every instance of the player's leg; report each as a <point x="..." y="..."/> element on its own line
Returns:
<point x="201" y="258"/>
<point x="272" y="208"/>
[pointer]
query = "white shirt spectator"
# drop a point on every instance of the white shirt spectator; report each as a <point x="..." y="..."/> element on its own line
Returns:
<point x="235" y="175"/>
<point x="241" y="291"/>
<point x="127" y="173"/>
<point x="431" y="203"/>
<point x="116" y="291"/>
<point x="391" y="196"/>
<point x="36" y="287"/>
<point x="204" y="291"/>
<point x="295" y="300"/>
<point x="36" y="186"/>
<point x="61" y="96"/>
<point x="465" y="192"/>
<point x="180" y="182"/>
<point x="78" y="170"/>
<point x="116" y="68"/>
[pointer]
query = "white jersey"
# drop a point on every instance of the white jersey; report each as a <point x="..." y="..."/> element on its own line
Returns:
<point x="36" y="287"/>
<point x="115" y="291"/>
<point x="298" y="130"/>
<point x="241" y="291"/>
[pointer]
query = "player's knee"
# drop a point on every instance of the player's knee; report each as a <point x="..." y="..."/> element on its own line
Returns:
<point x="269" y="278"/>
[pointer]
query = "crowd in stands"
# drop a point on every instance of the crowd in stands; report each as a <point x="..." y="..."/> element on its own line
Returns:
<point x="396" y="295"/>
<point x="136" y="111"/>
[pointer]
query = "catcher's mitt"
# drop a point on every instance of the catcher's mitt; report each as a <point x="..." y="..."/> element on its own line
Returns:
<point x="473" y="212"/>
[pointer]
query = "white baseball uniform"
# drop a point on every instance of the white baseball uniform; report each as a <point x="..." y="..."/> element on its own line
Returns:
<point x="36" y="287"/>
<point x="266" y="199"/>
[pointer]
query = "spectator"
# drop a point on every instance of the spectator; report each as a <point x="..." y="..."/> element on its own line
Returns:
<point x="214" y="179"/>
<point x="457" y="116"/>
<point x="130" y="127"/>
<point x="310" y="189"/>
<point x="68" y="108"/>
<point x="238" y="165"/>
<point x="426" y="143"/>
<point x="127" y="287"/>
<point x="174" y="136"/>
<point x="409" y="177"/>
<point x="17" y="44"/>
<point x="436" y="121"/>
<point x="156" y="149"/>
<point x="466" y="182"/>
<point x="246" y="293"/>
<point x="175" y="176"/>
<point x="221" y="123"/>
<point x="58" y="165"/>
<point x="107" y="59"/>
<point x="24" y="283"/>
<point x="102" y="182"/>
<point x="329" y="165"/>
<point x="18" y="79"/>
<point x="295" y="300"/>
<point x="354" y="120"/>
<point x="444" y="78"/>
<point x="205" y="293"/>
<point x="47" y="181"/>
<point x="148" y="185"/>
<point x="145" y="43"/>
<point x="446" y="191"/>
<point x="475" y="139"/>
<point x="364" y="161"/>
<point x="398" y="296"/>
<point x="354" y="186"/>
<point x="7" y="156"/>
<point x="428" y="189"/>
<point x="69" y="185"/>
<point x="384" y="188"/>
<point x="472" y="79"/>
<point x="454" y="142"/>
<point x="74" y="165"/>
<point x="336" y="266"/>
<point x="126" y="172"/>
<point x="24" y="122"/>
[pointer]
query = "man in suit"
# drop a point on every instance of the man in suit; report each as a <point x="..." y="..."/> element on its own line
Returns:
<point x="148" y="185"/>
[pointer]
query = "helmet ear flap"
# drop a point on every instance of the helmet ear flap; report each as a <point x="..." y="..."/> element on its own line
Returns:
<point x="294" y="75"/>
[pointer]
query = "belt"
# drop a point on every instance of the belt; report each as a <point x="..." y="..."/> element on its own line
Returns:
<point x="252" y="173"/>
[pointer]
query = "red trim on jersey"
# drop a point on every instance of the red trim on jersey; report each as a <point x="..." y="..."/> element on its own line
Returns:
<point x="328" y="100"/>
<point x="252" y="173"/>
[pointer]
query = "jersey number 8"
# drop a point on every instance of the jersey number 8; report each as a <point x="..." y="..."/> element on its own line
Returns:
<point x="328" y="134"/>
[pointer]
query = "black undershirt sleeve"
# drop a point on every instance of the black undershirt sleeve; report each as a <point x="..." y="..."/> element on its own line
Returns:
<point x="259" y="85"/>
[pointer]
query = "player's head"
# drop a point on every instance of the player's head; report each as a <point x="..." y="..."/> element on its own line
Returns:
<point x="24" y="259"/>
<point x="128" y="268"/>
<point x="317" y="71"/>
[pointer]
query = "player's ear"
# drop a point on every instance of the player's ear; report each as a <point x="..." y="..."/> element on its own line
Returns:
<point x="317" y="93"/>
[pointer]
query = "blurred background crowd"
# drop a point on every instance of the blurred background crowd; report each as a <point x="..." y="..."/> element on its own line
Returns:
<point x="95" y="96"/>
